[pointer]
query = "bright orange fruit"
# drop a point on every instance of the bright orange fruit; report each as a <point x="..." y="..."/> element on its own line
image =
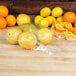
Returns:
<point x="75" y="18"/>
<point x="11" y="20"/>
<point x="3" y="11"/>
<point x="75" y="22"/>
<point x="64" y="24"/>
<point x="3" y="23"/>
<point x="59" y="27"/>
<point x="70" y="27"/>
<point x="74" y="32"/>
<point x="69" y="17"/>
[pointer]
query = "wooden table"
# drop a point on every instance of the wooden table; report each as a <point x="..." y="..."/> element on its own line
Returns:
<point x="16" y="61"/>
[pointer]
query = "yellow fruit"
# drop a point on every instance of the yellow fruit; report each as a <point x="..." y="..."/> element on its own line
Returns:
<point x="43" y="23"/>
<point x="57" y="11"/>
<point x="44" y="35"/>
<point x="46" y="11"/>
<point x="28" y="28"/>
<point x="13" y="34"/>
<point x="60" y="19"/>
<point x="51" y="20"/>
<point x="23" y="18"/>
<point x="70" y="35"/>
<point x="11" y="20"/>
<point x="37" y="19"/>
<point x="27" y="40"/>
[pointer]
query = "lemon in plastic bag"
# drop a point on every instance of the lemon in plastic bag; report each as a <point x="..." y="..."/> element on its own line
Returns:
<point x="44" y="35"/>
<point x="27" y="40"/>
<point x="12" y="35"/>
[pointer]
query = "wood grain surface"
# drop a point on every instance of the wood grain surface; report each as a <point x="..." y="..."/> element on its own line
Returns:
<point x="16" y="61"/>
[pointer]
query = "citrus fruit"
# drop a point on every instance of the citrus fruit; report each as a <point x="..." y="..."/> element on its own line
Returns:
<point x="69" y="26"/>
<point x="69" y="17"/>
<point x="37" y="19"/>
<point x="44" y="35"/>
<point x="74" y="32"/>
<point x="64" y="24"/>
<point x="60" y="19"/>
<point x="12" y="35"/>
<point x="43" y="23"/>
<point x="71" y="29"/>
<point x="57" y="12"/>
<point x="28" y="28"/>
<point x="11" y="20"/>
<point x="27" y="40"/>
<point x="51" y="19"/>
<point x="23" y="18"/>
<point x="3" y="23"/>
<point x="46" y="11"/>
<point x="59" y="27"/>
<point x="75" y="24"/>
<point x="70" y="35"/>
<point x="3" y="11"/>
<point x="75" y="19"/>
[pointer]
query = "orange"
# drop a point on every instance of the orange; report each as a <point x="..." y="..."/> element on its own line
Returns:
<point x="64" y="24"/>
<point x="3" y="11"/>
<point x="3" y="23"/>
<point x="11" y="20"/>
<point x="74" y="32"/>
<point x="59" y="27"/>
<point x="75" y="19"/>
<point x="69" y="17"/>
<point x="70" y="35"/>
<point x="75" y="22"/>
<point x="70" y="27"/>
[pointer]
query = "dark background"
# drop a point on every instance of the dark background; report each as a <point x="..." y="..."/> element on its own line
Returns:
<point x="34" y="6"/>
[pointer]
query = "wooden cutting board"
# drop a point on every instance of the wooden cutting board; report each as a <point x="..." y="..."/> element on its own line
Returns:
<point x="16" y="61"/>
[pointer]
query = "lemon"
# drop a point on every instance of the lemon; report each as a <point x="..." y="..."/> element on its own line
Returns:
<point x="12" y="35"/>
<point x="60" y="19"/>
<point x="27" y="40"/>
<point x="37" y="19"/>
<point x="44" y="35"/>
<point x="51" y="19"/>
<point x="23" y="18"/>
<point x="46" y="11"/>
<point x="43" y="23"/>
<point x="57" y="11"/>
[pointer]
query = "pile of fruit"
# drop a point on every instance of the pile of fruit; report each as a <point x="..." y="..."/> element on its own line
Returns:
<point x="26" y="36"/>
<point x="5" y="19"/>
<point x="66" y="28"/>
<point x="62" y="25"/>
<point x="49" y="22"/>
